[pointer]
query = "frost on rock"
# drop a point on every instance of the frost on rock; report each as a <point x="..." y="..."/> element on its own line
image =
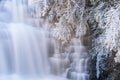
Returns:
<point x="109" y="21"/>
<point x="35" y="8"/>
<point x="65" y="18"/>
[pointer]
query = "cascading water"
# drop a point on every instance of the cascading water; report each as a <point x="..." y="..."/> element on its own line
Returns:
<point x="24" y="49"/>
<point x="72" y="64"/>
<point x="79" y="68"/>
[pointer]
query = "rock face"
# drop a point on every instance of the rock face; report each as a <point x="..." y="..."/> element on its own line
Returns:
<point x="105" y="39"/>
<point x="95" y="22"/>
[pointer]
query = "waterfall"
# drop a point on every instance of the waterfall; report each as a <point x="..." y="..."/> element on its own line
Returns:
<point x="24" y="51"/>
<point x="73" y="63"/>
<point x="18" y="7"/>
<point x="79" y="68"/>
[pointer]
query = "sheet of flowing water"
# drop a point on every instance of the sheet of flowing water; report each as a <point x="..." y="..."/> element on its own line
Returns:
<point x="23" y="49"/>
<point x="23" y="53"/>
<point x="73" y="63"/>
<point x="80" y="60"/>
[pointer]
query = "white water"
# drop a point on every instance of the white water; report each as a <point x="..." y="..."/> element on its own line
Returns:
<point x="24" y="51"/>
<point x="79" y="68"/>
<point x="72" y="64"/>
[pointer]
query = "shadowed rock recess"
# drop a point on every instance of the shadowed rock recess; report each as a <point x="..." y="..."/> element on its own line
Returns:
<point x="96" y="23"/>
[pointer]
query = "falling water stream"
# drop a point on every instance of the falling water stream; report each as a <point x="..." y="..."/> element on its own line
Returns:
<point x="24" y="51"/>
